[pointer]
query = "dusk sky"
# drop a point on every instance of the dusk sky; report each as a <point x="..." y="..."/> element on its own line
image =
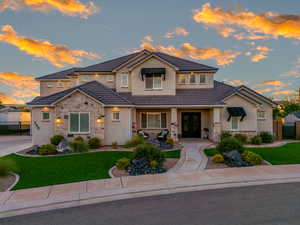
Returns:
<point x="255" y="42"/>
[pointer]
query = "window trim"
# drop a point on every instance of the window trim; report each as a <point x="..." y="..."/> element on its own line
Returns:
<point x="205" y="80"/>
<point x="261" y="118"/>
<point x="189" y="78"/>
<point x="127" y="80"/>
<point x="108" y="78"/>
<point x="69" y="124"/>
<point x="50" y="85"/>
<point x="43" y="116"/>
<point x="60" y="84"/>
<point x="182" y="74"/>
<point x="112" y="116"/>
<point x="238" y="123"/>
<point x="154" y="88"/>
<point x="153" y="113"/>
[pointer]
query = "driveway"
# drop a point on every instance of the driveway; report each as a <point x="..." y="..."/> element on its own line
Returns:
<point x="261" y="205"/>
<point x="11" y="144"/>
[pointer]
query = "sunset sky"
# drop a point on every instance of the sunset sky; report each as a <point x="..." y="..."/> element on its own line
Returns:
<point x="255" y="42"/>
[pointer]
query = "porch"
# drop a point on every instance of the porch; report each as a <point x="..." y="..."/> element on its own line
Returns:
<point x="193" y="123"/>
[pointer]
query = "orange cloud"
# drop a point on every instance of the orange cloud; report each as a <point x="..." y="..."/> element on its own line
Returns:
<point x="179" y="31"/>
<point x="20" y="86"/>
<point x="285" y="92"/>
<point x="295" y="70"/>
<point x="259" y="26"/>
<point x="148" y="38"/>
<point x="58" y="55"/>
<point x="271" y="82"/>
<point x="67" y="7"/>
<point x="262" y="53"/>
<point x="187" y="50"/>
<point x="4" y="99"/>
<point x="264" y="90"/>
<point x="236" y="82"/>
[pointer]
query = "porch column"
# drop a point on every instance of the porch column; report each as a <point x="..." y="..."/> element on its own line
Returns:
<point x="174" y="124"/>
<point x="216" y="124"/>
<point x="134" y="124"/>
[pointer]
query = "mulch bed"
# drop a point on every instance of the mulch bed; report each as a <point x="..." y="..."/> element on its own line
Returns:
<point x="211" y="165"/>
<point x="6" y="182"/>
<point x="169" y="163"/>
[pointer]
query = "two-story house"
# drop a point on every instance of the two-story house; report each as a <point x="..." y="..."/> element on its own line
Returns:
<point x="147" y="91"/>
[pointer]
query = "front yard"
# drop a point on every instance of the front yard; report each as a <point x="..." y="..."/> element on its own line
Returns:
<point x="286" y="154"/>
<point x="43" y="171"/>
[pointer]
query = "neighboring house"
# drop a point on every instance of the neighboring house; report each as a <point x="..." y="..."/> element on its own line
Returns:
<point x="292" y="117"/>
<point x="148" y="91"/>
<point x="9" y="115"/>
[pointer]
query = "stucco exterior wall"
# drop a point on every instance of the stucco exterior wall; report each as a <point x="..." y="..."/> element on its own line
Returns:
<point x="209" y="82"/>
<point x="41" y="130"/>
<point x="51" y="87"/>
<point x="78" y="102"/>
<point x="120" y="131"/>
<point x="101" y="78"/>
<point x="138" y="86"/>
<point x="249" y="124"/>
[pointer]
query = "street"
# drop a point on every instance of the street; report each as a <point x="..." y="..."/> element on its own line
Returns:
<point x="10" y="144"/>
<point x="276" y="204"/>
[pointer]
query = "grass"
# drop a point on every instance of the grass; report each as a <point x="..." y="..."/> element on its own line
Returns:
<point x="43" y="171"/>
<point x="286" y="154"/>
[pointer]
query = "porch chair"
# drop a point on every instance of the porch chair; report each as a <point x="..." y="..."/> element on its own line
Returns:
<point x="163" y="135"/>
<point x="143" y="134"/>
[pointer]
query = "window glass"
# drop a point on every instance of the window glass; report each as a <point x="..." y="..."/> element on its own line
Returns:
<point x="149" y="81"/>
<point x="192" y="78"/>
<point x="153" y="81"/>
<point x="124" y="80"/>
<point x="74" y="122"/>
<point x="153" y="120"/>
<point x="235" y="123"/>
<point x="110" y="77"/>
<point x="116" y="115"/>
<point x="261" y="115"/>
<point x="49" y="85"/>
<point x="157" y="81"/>
<point x="144" y="120"/>
<point x="163" y="120"/>
<point x="45" y="115"/>
<point x="202" y="78"/>
<point x="181" y="79"/>
<point x="84" y="122"/>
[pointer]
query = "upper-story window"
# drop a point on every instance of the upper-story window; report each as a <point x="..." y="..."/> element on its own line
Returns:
<point x="110" y="78"/>
<point x="124" y="80"/>
<point x="192" y="78"/>
<point x="60" y="84"/>
<point x="261" y="115"/>
<point x="50" y="85"/>
<point x="83" y="79"/>
<point x="202" y="78"/>
<point x="153" y="81"/>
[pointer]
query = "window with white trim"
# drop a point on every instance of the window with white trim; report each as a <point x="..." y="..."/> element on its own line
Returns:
<point x="45" y="116"/>
<point x="50" y="85"/>
<point x="192" y="78"/>
<point x="181" y="78"/>
<point x="60" y="84"/>
<point x="124" y="80"/>
<point x="79" y="122"/>
<point x="153" y="120"/>
<point x="83" y="79"/>
<point x="115" y="116"/>
<point x="153" y="81"/>
<point x="261" y="115"/>
<point x="235" y="123"/>
<point x="109" y="78"/>
<point x="202" y="78"/>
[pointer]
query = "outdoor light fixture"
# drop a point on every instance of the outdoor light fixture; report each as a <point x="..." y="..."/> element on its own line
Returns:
<point x="115" y="109"/>
<point x="100" y="119"/>
<point x="58" y="120"/>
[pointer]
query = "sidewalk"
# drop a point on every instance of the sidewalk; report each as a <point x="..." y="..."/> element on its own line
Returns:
<point x="75" y="194"/>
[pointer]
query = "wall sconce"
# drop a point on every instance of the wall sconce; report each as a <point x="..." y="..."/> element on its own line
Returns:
<point x="115" y="109"/>
<point x="100" y="119"/>
<point x="58" y="120"/>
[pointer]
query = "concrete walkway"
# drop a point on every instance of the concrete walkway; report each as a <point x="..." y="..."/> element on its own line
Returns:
<point x="94" y="191"/>
<point x="191" y="158"/>
<point x="12" y="144"/>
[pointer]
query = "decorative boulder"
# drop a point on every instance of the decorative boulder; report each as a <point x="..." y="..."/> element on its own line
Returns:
<point x="63" y="147"/>
<point x="142" y="166"/>
<point x="234" y="159"/>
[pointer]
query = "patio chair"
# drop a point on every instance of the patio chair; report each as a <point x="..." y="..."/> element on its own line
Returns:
<point x="143" y="134"/>
<point x="163" y="135"/>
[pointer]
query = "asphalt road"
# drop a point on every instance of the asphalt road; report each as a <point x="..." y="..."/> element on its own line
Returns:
<point x="7" y="142"/>
<point x="277" y="204"/>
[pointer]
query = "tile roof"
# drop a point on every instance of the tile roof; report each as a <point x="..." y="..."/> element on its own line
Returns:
<point x="110" y="65"/>
<point x="94" y="89"/>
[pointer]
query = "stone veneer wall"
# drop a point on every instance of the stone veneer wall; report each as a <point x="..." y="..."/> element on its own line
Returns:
<point x="78" y="102"/>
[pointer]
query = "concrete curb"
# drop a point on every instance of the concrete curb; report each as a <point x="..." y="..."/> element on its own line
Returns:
<point x="127" y="193"/>
<point x="110" y="172"/>
<point x="16" y="181"/>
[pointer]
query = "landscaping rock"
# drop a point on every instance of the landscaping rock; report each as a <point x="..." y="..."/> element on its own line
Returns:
<point x="63" y="147"/>
<point x="34" y="150"/>
<point x="142" y="166"/>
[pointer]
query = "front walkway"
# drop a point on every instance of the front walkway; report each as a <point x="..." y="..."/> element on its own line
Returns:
<point x="191" y="158"/>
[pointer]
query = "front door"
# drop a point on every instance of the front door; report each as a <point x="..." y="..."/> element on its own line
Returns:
<point x="191" y="124"/>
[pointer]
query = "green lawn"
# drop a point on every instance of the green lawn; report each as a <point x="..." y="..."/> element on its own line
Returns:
<point x="43" y="171"/>
<point x="287" y="154"/>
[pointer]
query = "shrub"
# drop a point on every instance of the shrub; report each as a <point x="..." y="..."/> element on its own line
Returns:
<point x="137" y="140"/>
<point x="79" y="146"/>
<point x="56" y="139"/>
<point x="114" y="144"/>
<point x="225" y="134"/>
<point x="252" y="158"/>
<point x="229" y="144"/>
<point x="150" y="152"/>
<point x="170" y="141"/>
<point x="7" y="166"/>
<point x="266" y="137"/>
<point x="122" y="163"/>
<point x="218" y="158"/>
<point x="154" y="164"/>
<point x="49" y="149"/>
<point x="256" y="140"/>
<point x="241" y="137"/>
<point x="94" y="143"/>
<point x="79" y="138"/>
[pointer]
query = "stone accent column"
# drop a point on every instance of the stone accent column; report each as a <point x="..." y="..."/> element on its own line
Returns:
<point x="174" y="124"/>
<point x="216" y="124"/>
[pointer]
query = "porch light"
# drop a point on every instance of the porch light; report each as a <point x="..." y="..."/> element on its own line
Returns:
<point x="115" y="109"/>
<point x="100" y="119"/>
<point x="58" y="120"/>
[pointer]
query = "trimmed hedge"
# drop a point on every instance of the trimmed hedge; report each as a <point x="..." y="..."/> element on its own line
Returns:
<point x="229" y="144"/>
<point x="252" y="158"/>
<point x="56" y="139"/>
<point x="94" y="143"/>
<point x="48" y="149"/>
